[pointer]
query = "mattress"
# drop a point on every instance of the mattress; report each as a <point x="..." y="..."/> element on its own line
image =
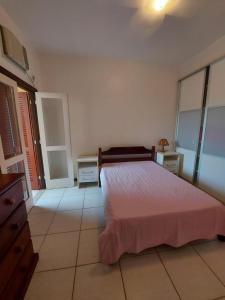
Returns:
<point x="147" y="206"/>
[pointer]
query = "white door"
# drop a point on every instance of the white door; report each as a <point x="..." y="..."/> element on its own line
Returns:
<point x="12" y="148"/>
<point x="53" y="119"/>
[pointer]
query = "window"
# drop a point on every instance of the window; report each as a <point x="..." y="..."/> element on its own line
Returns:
<point x="9" y="128"/>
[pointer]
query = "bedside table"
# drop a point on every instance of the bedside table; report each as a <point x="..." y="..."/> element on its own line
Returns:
<point x="169" y="160"/>
<point x="87" y="169"/>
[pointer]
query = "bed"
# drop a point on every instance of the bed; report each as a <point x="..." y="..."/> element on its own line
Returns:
<point x="147" y="206"/>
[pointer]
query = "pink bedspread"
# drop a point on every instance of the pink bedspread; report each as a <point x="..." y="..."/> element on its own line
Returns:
<point x="147" y="206"/>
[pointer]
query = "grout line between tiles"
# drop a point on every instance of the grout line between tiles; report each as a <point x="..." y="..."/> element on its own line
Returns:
<point x="94" y="207"/>
<point x="42" y="213"/>
<point x="52" y="233"/>
<point x="56" y="210"/>
<point x="208" y="266"/>
<point x="91" y="228"/>
<point x="78" y="246"/>
<point x="121" y="274"/>
<point x="45" y="235"/>
<point x="170" y="278"/>
<point x="55" y="269"/>
<point x="84" y="265"/>
<point x="54" y="213"/>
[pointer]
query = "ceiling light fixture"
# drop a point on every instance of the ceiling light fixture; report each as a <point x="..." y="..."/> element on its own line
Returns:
<point x="160" y="4"/>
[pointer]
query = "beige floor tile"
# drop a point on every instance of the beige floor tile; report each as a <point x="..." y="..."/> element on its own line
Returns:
<point x="58" y="251"/>
<point x="39" y="223"/>
<point x="71" y="202"/>
<point x="46" y="204"/>
<point x="98" y="282"/>
<point x="145" y="278"/>
<point x="214" y="255"/>
<point x="92" y="189"/>
<point x="191" y="276"/>
<point x="51" y="285"/>
<point x="41" y="210"/>
<point x="65" y="221"/>
<point x="88" y="247"/>
<point x="74" y="192"/>
<point x="48" y="200"/>
<point x="54" y="192"/>
<point x="92" y="218"/>
<point x="93" y="200"/>
<point x="37" y="242"/>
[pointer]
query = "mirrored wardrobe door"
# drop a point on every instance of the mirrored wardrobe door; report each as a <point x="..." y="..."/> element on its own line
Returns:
<point x="189" y="121"/>
<point x="211" y="175"/>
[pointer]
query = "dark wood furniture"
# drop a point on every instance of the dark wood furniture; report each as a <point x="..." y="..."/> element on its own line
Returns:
<point x="125" y="154"/>
<point x="17" y="257"/>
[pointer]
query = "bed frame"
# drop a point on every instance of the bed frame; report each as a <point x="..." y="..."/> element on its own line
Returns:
<point x="125" y="154"/>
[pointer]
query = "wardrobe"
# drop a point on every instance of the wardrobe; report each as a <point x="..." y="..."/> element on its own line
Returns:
<point x="200" y="131"/>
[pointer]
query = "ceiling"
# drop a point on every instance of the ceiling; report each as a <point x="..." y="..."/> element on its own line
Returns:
<point x="104" y="28"/>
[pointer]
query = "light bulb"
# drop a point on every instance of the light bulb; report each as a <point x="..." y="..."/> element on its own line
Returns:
<point x="160" y="4"/>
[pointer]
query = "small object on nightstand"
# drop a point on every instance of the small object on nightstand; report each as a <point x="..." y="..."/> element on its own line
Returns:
<point x="163" y="143"/>
<point x="87" y="169"/>
<point x="170" y="161"/>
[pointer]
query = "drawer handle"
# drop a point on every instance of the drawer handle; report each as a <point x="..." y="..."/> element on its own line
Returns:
<point x="18" y="249"/>
<point x="10" y="201"/>
<point x="15" y="226"/>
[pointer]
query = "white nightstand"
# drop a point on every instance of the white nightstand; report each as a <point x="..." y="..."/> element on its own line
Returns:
<point x="169" y="160"/>
<point x="87" y="169"/>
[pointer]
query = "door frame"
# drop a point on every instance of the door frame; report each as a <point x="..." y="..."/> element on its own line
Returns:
<point x="31" y="92"/>
<point x="5" y="163"/>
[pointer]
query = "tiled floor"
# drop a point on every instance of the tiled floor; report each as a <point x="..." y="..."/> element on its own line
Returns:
<point x="65" y="226"/>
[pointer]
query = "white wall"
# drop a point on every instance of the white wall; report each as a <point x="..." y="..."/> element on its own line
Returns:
<point x="6" y="21"/>
<point x="113" y="102"/>
<point x="205" y="57"/>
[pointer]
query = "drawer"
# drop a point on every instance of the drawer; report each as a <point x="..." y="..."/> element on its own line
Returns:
<point x="88" y="178"/>
<point x="10" y="229"/>
<point x="88" y="171"/>
<point x="20" y="279"/>
<point x="10" y="200"/>
<point x="172" y="169"/>
<point x="170" y="163"/>
<point x="12" y="258"/>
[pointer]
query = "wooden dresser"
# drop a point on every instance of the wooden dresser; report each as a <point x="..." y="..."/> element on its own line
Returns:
<point x="17" y="257"/>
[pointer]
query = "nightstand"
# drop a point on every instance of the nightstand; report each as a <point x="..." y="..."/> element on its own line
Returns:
<point x="169" y="160"/>
<point x="87" y="169"/>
